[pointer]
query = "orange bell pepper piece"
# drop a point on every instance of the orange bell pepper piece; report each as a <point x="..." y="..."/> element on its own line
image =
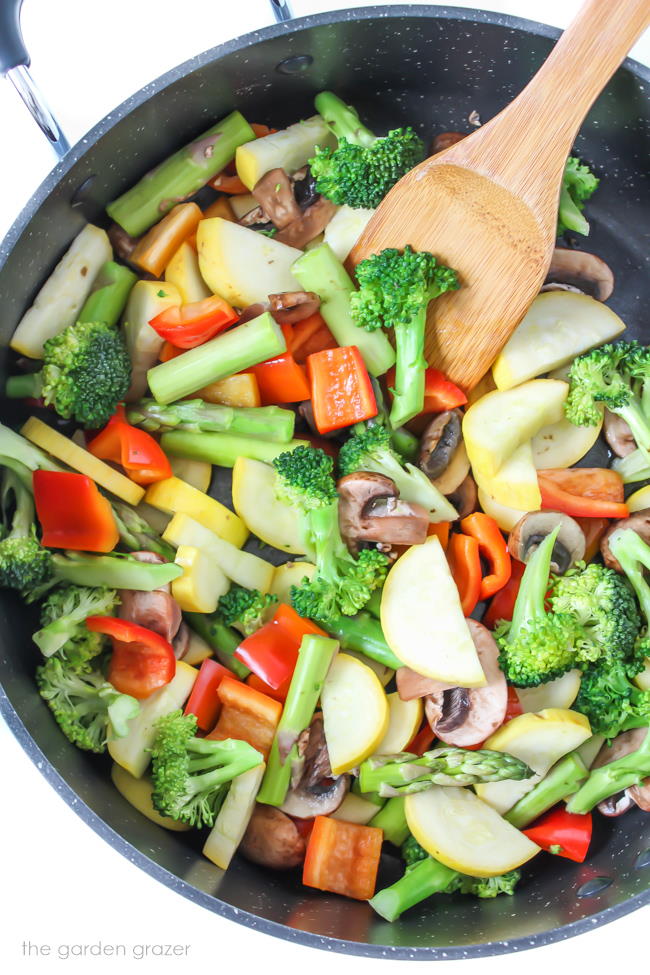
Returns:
<point x="281" y="380"/>
<point x="583" y="492"/>
<point x="503" y="602"/>
<point x="594" y="529"/>
<point x="441" y="529"/>
<point x="142" y="457"/>
<point x="309" y="336"/>
<point x="246" y="715"/>
<point x="242" y="389"/>
<point x="465" y="566"/>
<point x="343" y="858"/>
<point x="341" y="391"/>
<point x="492" y="547"/>
<point x="154" y="251"/>
<point x="72" y="513"/>
<point x="220" y="208"/>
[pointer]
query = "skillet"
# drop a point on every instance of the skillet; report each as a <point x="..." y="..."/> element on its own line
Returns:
<point x="427" y="66"/>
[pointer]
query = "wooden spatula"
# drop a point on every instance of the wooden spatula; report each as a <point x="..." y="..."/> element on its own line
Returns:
<point x="487" y="206"/>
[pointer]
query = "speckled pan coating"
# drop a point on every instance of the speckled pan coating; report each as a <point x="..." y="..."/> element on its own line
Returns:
<point x="431" y="66"/>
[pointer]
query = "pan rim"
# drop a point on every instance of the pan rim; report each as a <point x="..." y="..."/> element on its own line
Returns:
<point x="9" y="713"/>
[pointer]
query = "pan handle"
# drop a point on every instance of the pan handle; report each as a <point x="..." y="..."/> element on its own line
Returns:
<point x="14" y="64"/>
<point x="281" y="11"/>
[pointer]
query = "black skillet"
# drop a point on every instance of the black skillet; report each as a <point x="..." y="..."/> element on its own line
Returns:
<point x="431" y="67"/>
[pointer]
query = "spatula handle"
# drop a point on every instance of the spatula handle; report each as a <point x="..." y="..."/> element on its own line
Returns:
<point x="550" y="110"/>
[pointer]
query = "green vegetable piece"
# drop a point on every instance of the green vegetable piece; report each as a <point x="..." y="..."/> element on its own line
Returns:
<point x="194" y="416"/>
<point x="223" y="640"/>
<point x="404" y="774"/>
<point x="392" y="820"/>
<point x="562" y="780"/>
<point x="578" y="185"/>
<point x="111" y="288"/>
<point x="609" y="779"/>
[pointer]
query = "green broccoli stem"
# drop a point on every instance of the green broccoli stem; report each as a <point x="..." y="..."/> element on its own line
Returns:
<point x="534" y="585"/>
<point x="638" y="424"/>
<point x="314" y="658"/>
<point x="633" y="467"/>
<point x="362" y="633"/>
<point x="233" y="351"/>
<point x="392" y="819"/>
<point x="563" y="780"/>
<point x="180" y="176"/>
<point x="24" y="386"/>
<point x="320" y="270"/>
<point x="109" y="294"/>
<point x="570" y="215"/>
<point x="233" y="757"/>
<point x="373" y="605"/>
<point x="424" y="879"/>
<point x="223" y="449"/>
<point x="403" y="774"/>
<point x="223" y="640"/>
<point x="113" y="571"/>
<point x="609" y="779"/>
<point x="633" y="553"/>
<point x="410" y="367"/>
<point x="405" y="443"/>
<point x="14" y="483"/>
<point x="263" y="422"/>
<point x="14" y="447"/>
<point x="343" y="120"/>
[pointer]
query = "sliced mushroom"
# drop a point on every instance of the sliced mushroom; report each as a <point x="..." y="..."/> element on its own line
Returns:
<point x="181" y="641"/>
<point x="288" y="307"/>
<point x="531" y="530"/>
<point x="444" y="140"/>
<point x="615" y="805"/>
<point x="618" y="434"/>
<point x="638" y="522"/>
<point x="465" y="497"/>
<point x="272" y="839"/>
<point x="410" y="684"/>
<point x="370" y="510"/>
<point x="254" y="218"/>
<point x="122" y="243"/>
<point x="466" y="716"/>
<point x="579" y="271"/>
<point x="624" y="744"/>
<point x="274" y="193"/>
<point x="309" y="224"/>
<point x="439" y="443"/>
<point x="304" y="188"/>
<point x="457" y="470"/>
<point x="314" y="790"/>
<point x="156" y="610"/>
<point x="253" y="311"/>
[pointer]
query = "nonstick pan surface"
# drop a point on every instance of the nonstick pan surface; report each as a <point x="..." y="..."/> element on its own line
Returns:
<point x="427" y="66"/>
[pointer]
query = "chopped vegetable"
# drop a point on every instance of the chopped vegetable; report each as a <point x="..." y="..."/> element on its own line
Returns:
<point x="342" y="858"/>
<point x="63" y="618"/>
<point x="583" y="493"/>
<point x="502" y="604"/>
<point x="578" y="185"/>
<point x="147" y="300"/>
<point x="142" y="661"/>
<point x="563" y="833"/>
<point x="136" y="451"/>
<point x="272" y="650"/>
<point x="240" y="390"/>
<point x="246" y="609"/>
<point x="341" y="392"/>
<point x="243" y="568"/>
<point x="183" y="272"/>
<point x="404" y="774"/>
<point x="254" y="496"/>
<point x="246" y="715"/>
<point x="194" y="324"/>
<point x="224" y="449"/>
<point x="492" y="548"/>
<point x="137" y="792"/>
<point x="233" y="817"/>
<point x="204" y="702"/>
<point x="24" y="564"/>
<point x="202" y="585"/>
<point x="281" y="380"/>
<point x="622" y="773"/>
<point x="174" y="495"/>
<point x="72" y="513"/>
<point x="109" y="294"/>
<point x="288" y="149"/>
<point x="264" y="422"/>
<point x="463" y="556"/>
<point x="355" y="713"/>
<point x="565" y="778"/>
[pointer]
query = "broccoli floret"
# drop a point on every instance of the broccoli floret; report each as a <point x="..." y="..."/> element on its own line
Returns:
<point x="411" y="852"/>
<point x="485" y="887"/>
<point x="85" y="706"/>
<point x="342" y="584"/>
<point x="605" y="609"/>
<point x="395" y="288"/>
<point x="86" y="372"/>
<point x="245" y="609"/>
<point x="63" y="624"/>
<point x="611" y="375"/>
<point x="578" y="184"/>
<point x="536" y="646"/>
<point x="369" y="449"/>
<point x="190" y="774"/>
<point x="24" y="564"/>
<point x="362" y="168"/>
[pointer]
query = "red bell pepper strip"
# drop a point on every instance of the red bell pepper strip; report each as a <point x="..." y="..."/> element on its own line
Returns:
<point x="141" y="662"/>
<point x="465" y="566"/>
<point x="341" y="391"/>
<point x="583" y="492"/>
<point x="563" y="833"/>
<point x="440" y="393"/>
<point x="278" y="694"/>
<point x="513" y="707"/>
<point x="139" y="454"/>
<point x="421" y="740"/>
<point x="169" y="351"/>
<point x="246" y="715"/>
<point x="503" y="603"/>
<point x="204" y="702"/>
<point x="72" y="512"/>
<point x="343" y="858"/>
<point x="272" y="651"/>
<point x="281" y="380"/>
<point x="187" y="326"/>
<point x="309" y="336"/>
<point x="594" y="529"/>
<point x="492" y="547"/>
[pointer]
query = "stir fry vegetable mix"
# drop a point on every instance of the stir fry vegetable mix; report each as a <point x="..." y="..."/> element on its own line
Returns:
<point x="316" y="713"/>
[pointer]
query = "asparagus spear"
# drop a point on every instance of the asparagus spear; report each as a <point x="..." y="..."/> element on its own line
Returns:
<point x="563" y="780"/>
<point x="419" y="882"/>
<point x="180" y="175"/>
<point x="398" y="775"/>
<point x="320" y="270"/>
<point x="223" y="449"/>
<point x="136" y="534"/>
<point x="111" y="289"/>
<point x="223" y="640"/>
<point x="364" y="634"/>
<point x="314" y="658"/>
<point x="392" y="820"/>
<point x="605" y="781"/>
<point x="196" y="416"/>
<point x="232" y="351"/>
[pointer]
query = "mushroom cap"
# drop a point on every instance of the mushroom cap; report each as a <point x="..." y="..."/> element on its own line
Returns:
<point x="370" y="510"/>
<point x="615" y="805"/>
<point x="444" y="140"/>
<point x="638" y="522"/>
<point x="467" y="716"/>
<point x="314" y="790"/>
<point x="618" y="434"/>
<point x="457" y="470"/>
<point x="535" y="526"/>
<point x="272" y="839"/>
<point x="308" y="224"/>
<point x="582" y="272"/>
<point x="274" y="193"/>
<point x="288" y="307"/>
<point x="156" y="610"/>
<point x="439" y="442"/>
<point x="465" y="497"/>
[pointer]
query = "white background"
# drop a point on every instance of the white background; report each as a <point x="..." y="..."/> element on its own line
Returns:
<point x="60" y="883"/>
